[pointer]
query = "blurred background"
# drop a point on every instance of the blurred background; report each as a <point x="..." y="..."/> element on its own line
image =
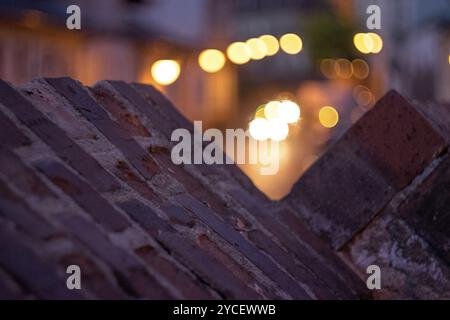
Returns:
<point x="222" y="61"/>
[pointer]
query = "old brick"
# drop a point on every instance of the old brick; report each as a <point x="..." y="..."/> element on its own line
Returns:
<point x="125" y="173"/>
<point x="426" y="209"/>
<point x="178" y="216"/>
<point x="12" y="208"/>
<point x="347" y="187"/>
<point x="56" y="138"/>
<point x="160" y="103"/>
<point x="93" y="278"/>
<point x="84" y="195"/>
<point x="80" y="99"/>
<point x="247" y="249"/>
<point x="390" y="136"/>
<point x="145" y="216"/>
<point x="35" y="274"/>
<point x="20" y="175"/>
<point x="130" y="273"/>
<point x="196" y="260"/>
<point x="123" y="116"/>
<point x="10" y="135"/>
<point x="190" y="287"/>
<point x="212" y="272"/>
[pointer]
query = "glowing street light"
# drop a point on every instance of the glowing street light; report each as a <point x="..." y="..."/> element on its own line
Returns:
<point x="368" y="42"/>
<point x="289" y="111"/>
<point x="259" y="129"/>
<point x="165" y="72"/>
<point x="271" y="43"/>
<point x="238" y="53"/>
<point x="278" y="130"/>
<point x="211" y="60"/>
<point x="257" y="47"/>
<point x="328" y="116"/>
<point x="291" y="43"/>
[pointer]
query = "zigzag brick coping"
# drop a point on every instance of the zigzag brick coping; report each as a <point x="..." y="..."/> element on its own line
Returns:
<point x="86" y="178"/>
<point x="381" y="195"/>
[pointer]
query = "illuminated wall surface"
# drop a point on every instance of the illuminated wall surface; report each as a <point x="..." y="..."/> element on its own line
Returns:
<point x="306" y="74"/>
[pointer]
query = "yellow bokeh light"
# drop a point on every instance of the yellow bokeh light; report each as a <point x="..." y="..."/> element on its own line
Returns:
<point x="271" y="43"/>
<point x="368" y="42"/>
<point x="211" y="60"/>
<point x="257" y="47"/>
<point x="328" y="116"/>
<point x="259" y="129"/>
<point x="271" y="110"/>
<point x="291" y="43"/>
<point x="278" y="130"/>
<point x="260" y="111"/>
<point x="377" y="42"/>
<point x="289" y="111"/>
<point x="363" y="42"/>
<point x="238" y="53"/>
<point x="165" y="72"/>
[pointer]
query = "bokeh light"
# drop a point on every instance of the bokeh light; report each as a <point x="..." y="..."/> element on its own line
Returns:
<point x="363" y="96"/>
<point x="211" y="60"/>
<point x="259" y="129"/>
<point x="271" y="43"/>
<point x="360" y="69"/>
<point x="257" y="47"/>
<point x="363" y="42"/>
<point x="377" y="42"/>
<point x="289" y="111"/>
<point x="259" y="113"/>
<point x="291" y="43"/>
<point x="238" y="53"/>
<point x="278" y="130"/>
<point x="165" y="72"/>
<point x="343" y="68"/>
<point x="271" y="110"/>
<point x="368" y="42"/>
<point x="327" y="68"/>
<point x="328" y="116"/>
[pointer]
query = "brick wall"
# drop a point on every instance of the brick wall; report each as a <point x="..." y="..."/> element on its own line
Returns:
<point x="87" y="179"/>
<point x="380" y="196"/>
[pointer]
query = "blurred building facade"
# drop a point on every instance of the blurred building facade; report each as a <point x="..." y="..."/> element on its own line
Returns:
<point x="119" y="39"/>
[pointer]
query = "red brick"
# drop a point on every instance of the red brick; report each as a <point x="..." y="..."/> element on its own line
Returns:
<point x="10" y="135"/>
<point x="30" y="222"/>
<point x="37" y="276"/>
<point x="80" y="99"/>
<point x="129" y="272"/>
<point x="124" y="118"/>
<point x="189" y="287"/>
<point x="20" y="175"/>
<point x="196" y="260"/>
<point x="56" y="138"/>
<point x="381" y="154"/>
<point x="246" y="248"/>
<point x="426" y="209"/>
<point x="396" y="139"/>
<point x="84" y="195"/>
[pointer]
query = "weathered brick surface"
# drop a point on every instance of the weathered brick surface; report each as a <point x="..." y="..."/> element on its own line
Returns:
<point x="379" y="156"/>
<point x="83" y="194"/>
<point x="94" y="176"/>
